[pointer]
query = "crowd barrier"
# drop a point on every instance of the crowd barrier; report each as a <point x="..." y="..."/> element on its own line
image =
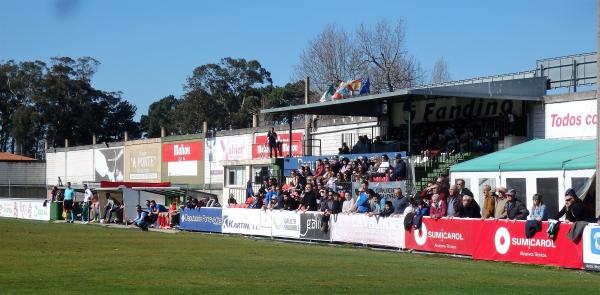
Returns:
<point x="24" y="209"/>
<point x="480" y="239"/>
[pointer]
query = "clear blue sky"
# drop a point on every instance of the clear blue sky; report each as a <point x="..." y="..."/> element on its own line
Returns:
<point x="148" y="48"/>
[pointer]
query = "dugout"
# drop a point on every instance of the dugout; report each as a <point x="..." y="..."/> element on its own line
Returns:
<point x="544" y="166"/>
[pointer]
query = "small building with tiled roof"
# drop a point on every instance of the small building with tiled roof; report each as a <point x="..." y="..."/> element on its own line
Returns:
<point x="22" y="177"/>
<point x="4" y="156"/>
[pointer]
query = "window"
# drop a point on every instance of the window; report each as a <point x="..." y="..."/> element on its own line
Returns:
<point x="548" y="188"/>
<point x="261" y="172"/>
<point x="235" y="176"/>
<point x="578" y="183"/>
<point x="519" y="185"/>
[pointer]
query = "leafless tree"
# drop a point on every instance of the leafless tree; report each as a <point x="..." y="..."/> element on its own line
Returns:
<point x="329" y="58"/>
<point x="390" y="66"/>
<point x="440" y="72"/>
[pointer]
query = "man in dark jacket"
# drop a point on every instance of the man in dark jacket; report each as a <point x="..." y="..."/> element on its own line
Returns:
<point x="515" y="209"/>
<point x="309" y="200"/>
<point x="400" y="168"/>
<point x="468" y="208"/>
<point x="573" y="210"/>
<point x="462" y="190"/>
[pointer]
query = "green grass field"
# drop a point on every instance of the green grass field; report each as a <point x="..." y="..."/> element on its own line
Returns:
<point x="58" y="258"/>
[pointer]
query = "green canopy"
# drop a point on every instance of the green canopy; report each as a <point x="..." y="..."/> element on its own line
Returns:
<point x="536" y="155"/>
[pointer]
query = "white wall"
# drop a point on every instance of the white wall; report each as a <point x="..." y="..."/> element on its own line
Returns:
<point x="55" y="167"/>
<point x="80" y="166"/>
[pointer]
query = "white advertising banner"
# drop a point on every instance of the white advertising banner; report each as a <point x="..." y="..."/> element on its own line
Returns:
<point x="573" y="119"/>
<point x="384" y="189"/>
<point x="185" y="168"/>
<point x="285" y="224"/>
<point x="591" y="247"/>
<point x="243" y="221"/>
<point x="362" y="229"/>
<point x="24" y="209"/>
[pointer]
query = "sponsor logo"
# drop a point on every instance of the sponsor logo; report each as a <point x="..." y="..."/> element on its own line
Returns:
<point x="421" y="235"/>
<point x="595" y="240"/>
<point x="502" y="240"/>
<point x="312" y="223"/>
<point x="181" y="150"/>
<point x="202" y="219"/>
<point x="230" y="223"/>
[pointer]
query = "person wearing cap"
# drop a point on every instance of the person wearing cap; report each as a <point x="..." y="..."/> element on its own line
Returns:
<point x="500" y="203"/>
<point x="538" y="210"/>
<point x="515" y="209"/>
<point x="384" y="165"/>
<point x="573" y="210"/>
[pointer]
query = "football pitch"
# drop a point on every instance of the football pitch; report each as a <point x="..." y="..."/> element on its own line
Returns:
<point x="58" y="258"/>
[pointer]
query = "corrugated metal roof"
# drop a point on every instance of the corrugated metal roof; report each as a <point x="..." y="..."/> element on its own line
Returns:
<point x="12" y="157"/>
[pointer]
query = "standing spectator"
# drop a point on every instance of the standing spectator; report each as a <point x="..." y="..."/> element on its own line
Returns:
<point x="85" y="210"/>
<point x="95" y="216"/>
<point x="462" y="190"/>
<point x="538" y="210"/>
<point x="453" y="202"/>
<point x="488" y="202"/>
<point x="68" y="203"/>
<point x="289" y="203"/>
<point x="384" y="165"/>
<point x="272" y="139"/>
<point x="573" y="210"/>
<point x="319" y="168"/>
<point x="400" y="168"/>
<point x="309" y="199"/>
<point x="53" y="194"/>
<point x="500" y="203"/>
<point x="344" y="149"/>
<point x="515" y="209"/>
<point x="374" y="202"/>
<point x="437" y="209"/>
<point x="421" y="210"/>
<point x="336" y="165"/>
<point x="400" y="202"/>
<point x="469" y="208"/>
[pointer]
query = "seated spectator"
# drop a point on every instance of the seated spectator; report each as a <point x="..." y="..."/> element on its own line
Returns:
<point x="362" y="202"/>
<point x="469" y="208"/>
<point x="573" y="210"/>
<point x="332" y="206"/>
<point x="319" y="168"/>
<point x="250" y="201"/>
<point x="258" y="201"/>
<point x="112" y="206"/>
<point x="309" y="199"/>
<point x="344" y="149"/>
<point x="538" y="210"/>
<point x="348" y="204"/>
<point x="488" y="202"/>
<point x="437" y="209"/>
<point x="375" y="203"/>
<point x="141" y="219"/>
<point x="399" y="202"/>
<point x="173" y="215"/>
<point x="289" y="203"/>
<point x="515" y="209"/>
<point x="231" y="202"/>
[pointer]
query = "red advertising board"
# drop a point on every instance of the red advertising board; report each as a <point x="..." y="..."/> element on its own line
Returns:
<point x="443" y="236"/>
<point x="506" y="241"/>
<point x="182" y="151"/>
<point x="260" y="149"/>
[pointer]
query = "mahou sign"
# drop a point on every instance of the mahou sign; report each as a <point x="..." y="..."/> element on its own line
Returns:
<point x="506" y="241"/>
<point x="260" y="149"/>
<point x="182" y="157"/>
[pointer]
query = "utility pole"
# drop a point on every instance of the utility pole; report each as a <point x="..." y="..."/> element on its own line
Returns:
<point x="307" y="149"/>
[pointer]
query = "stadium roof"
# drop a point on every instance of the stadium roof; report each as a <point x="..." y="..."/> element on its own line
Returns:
<point x="536" y="155"/>
<point x="12" y="157"/>
<point x="528" y="89"/>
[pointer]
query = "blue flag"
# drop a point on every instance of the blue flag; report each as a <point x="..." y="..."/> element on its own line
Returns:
<point x="366" y="85"/>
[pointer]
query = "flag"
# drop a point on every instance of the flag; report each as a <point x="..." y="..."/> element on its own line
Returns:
<point x="341" y="91"/>
<point x="365" y="88"/>
<point x="354" y="85"/>
<point x="327" y="95"/>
